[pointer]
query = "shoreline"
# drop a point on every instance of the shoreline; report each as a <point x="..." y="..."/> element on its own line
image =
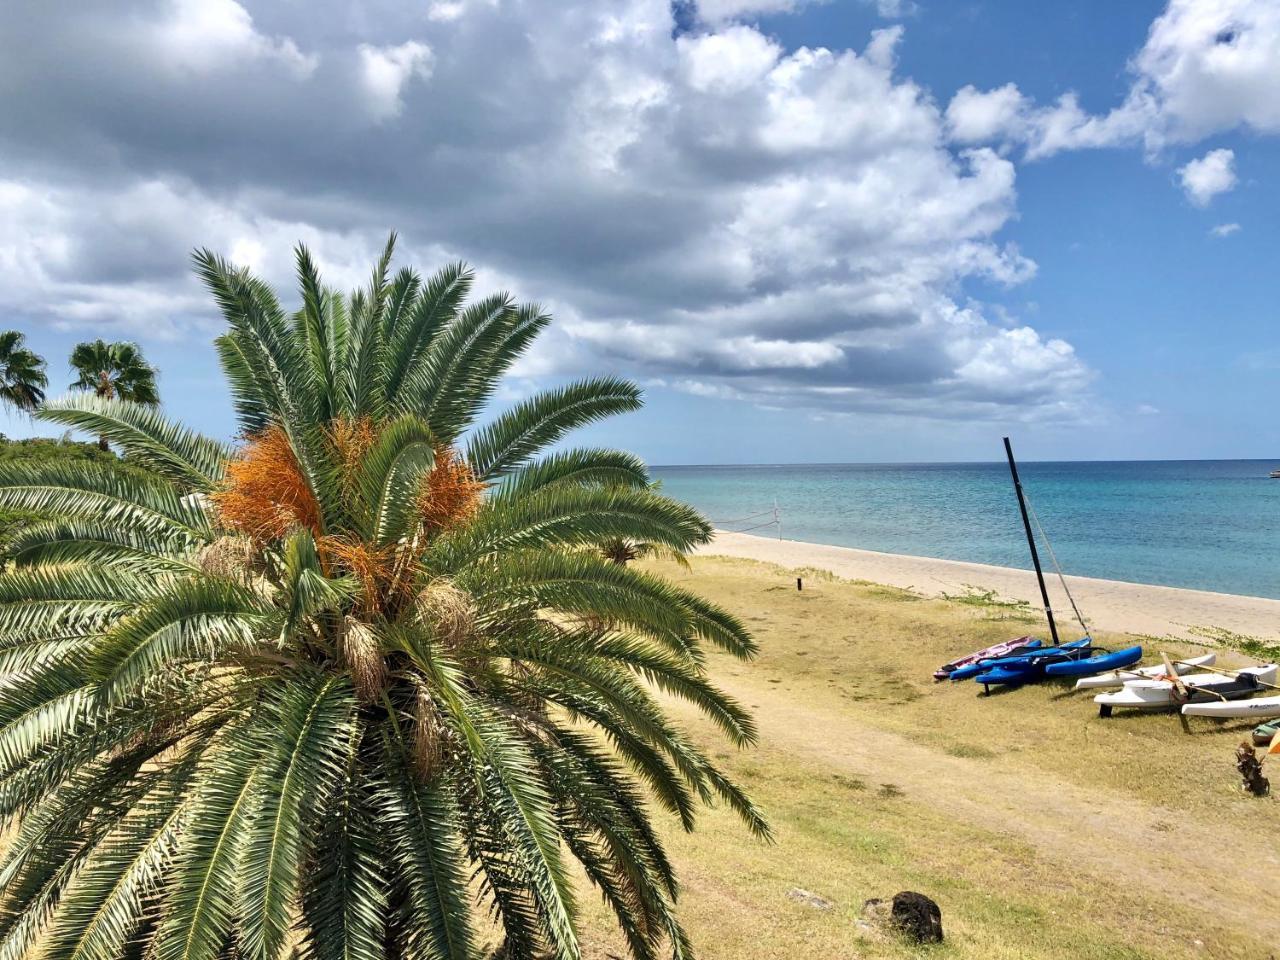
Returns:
<point x="1117" y="605"/>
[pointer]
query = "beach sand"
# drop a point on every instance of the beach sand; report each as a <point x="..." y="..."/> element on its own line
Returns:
<point x="1136" y="608"/>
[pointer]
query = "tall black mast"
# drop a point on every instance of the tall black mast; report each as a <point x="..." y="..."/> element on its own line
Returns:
<point x="1031" y="541"/>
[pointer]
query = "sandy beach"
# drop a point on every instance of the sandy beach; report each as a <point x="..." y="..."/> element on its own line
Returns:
<point x="1106" y="604"/>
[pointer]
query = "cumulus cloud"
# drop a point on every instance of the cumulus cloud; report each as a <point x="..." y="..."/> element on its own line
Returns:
<point x="386" y="70"/>
<point x="1210" y="175"/>
<point x="789" y="227"/>
<point x="976" y="116"/>
<point x="719" y="12"/>
<point x="1207" y="66"/>
<point x="1224" y="229"/>
<point x="203" y="35"/>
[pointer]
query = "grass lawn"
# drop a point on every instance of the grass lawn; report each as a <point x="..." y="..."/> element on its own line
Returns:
<point x="1041" y="830"/>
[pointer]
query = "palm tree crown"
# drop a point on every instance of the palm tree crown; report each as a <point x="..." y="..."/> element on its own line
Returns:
<point x="22" y="376"/>
<point x="349" y="688"/>
<point x="114" y="370"/>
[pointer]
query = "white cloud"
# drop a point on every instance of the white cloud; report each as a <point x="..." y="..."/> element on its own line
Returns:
<point x="204" y="35"/>
<point x="728" y="61"/>
<point x="719" y="12"/>
<point x="976" y="116"/>
<point x="785" y="227"/>
<point x="1211" y="66"/>
<point x="1210" y="175"/>
<point x="446" y="11"/>
<point x="386" y="70"/>
<point x="1207" y="66"/>
<point x="1224" y="229"/>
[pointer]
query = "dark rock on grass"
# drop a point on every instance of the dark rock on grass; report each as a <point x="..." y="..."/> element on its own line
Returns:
<point x="913" y="915"/>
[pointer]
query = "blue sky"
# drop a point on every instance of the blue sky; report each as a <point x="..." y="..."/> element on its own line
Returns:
<point x="778" y="216"/>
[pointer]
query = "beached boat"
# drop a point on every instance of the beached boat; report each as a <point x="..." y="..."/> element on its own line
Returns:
<point x="1118" y="678"/>
<point x="1264" y="733"/>
<point x="1029" y="667"/>
<point x="1161" y="694"/>
<point x="996" y="650"/>
<point x="1259" y="707"/>
<point x="1097" y="663"/>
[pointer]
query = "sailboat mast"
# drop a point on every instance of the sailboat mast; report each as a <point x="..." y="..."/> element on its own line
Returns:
<point x="1031" y="541"/>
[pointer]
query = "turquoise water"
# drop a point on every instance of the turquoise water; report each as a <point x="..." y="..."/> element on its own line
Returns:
<point x="1208" y="524"/>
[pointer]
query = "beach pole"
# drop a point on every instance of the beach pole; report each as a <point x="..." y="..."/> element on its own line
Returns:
<point x="1031" y="541"/>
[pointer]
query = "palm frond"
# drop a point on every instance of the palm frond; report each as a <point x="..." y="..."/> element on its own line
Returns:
<point x="144" y="435"/>
<point x="543" y="419"/>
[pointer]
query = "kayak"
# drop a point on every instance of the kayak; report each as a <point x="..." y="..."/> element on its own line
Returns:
<point x="945" y="671"/>
<point x="1264" y="733"/>
<point x="1095" y="664"/>
<point x="1117" y="678"/>
<point x="1259" y="708"/>
<point x="1030" y="667"/>
<point x="1017" y="654"/>
<point x="1161" y="695"/>
<point x="1073" y="649"/>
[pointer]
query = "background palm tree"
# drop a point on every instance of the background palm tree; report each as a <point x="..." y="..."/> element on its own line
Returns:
<point x="22" y="376"/>
<point x="114" y="370"/>
<point x="365" y="684"/>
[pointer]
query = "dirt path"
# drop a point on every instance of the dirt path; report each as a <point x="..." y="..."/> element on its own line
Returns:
<point x="1108" y="604"/>
<point x="1171" y="858"/>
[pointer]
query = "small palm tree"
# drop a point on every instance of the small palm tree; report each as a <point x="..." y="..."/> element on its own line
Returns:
<point x="114" y="370"/>
<point x="22" y="376"/>
<point x="365" y="681"/>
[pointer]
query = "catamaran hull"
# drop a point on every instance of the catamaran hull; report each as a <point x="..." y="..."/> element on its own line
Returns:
<point x="1118" y="678"/>
<point x="1258" y="709"/>
<point x="1161" y="695"/>
<point x="1095" y="664"/>
<point x="1005" y="648"/>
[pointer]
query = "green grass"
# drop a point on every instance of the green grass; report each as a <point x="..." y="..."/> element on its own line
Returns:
<point x="1042" y="830"/>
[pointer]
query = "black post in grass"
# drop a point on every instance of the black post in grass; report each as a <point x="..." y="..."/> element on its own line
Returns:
<point x="1031" y="541"/>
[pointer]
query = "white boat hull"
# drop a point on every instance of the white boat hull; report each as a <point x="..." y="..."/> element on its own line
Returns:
<point x="1160" y="695"/>
<point x="1259" y="708"/>
<point x="1118" y="678"/>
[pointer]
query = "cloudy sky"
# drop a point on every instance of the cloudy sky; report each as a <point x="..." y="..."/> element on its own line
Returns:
<point x="816" y="231"/>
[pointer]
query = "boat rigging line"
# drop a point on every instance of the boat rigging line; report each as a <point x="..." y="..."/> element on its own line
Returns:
<point x="1056" y="566"/>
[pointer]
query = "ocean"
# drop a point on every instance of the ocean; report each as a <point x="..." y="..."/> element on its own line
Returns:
<point x="1206" y="524"/>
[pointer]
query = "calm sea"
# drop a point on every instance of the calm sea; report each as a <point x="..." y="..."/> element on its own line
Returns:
<point x="1209" y="524"/>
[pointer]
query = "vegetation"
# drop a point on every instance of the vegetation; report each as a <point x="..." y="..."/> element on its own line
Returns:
<point x="357" y="685"/>
<point x="42" y="452"/>
<point x="22" y="376"/>
<point x="1044" y="832"/>
<point x="114" y="371"/>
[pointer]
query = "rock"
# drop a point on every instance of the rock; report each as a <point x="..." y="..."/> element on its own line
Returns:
<point x="913" y="915"/>
<point x="809" y="899"/>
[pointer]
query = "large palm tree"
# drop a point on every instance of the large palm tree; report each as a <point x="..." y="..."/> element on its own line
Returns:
<point x="114" y="371"/>
<point x="362" y="683"/>
<point x="22" y="376"/>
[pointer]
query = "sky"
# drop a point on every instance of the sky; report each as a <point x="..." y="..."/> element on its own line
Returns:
<point x="853" y="230"/>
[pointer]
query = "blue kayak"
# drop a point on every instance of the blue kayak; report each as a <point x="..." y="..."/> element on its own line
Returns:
<point x="1026" y="660"/>
<point x="1031" y="666"/>
<point x="973" y="669"/>
<point x="1100" y="663"/>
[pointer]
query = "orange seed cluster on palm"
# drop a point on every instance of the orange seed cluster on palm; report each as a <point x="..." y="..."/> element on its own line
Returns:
<point x="451" y="493"/>
<point x="264" y="494"/>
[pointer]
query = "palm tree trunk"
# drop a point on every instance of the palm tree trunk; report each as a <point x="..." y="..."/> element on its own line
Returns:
<point x="107" y="390"/>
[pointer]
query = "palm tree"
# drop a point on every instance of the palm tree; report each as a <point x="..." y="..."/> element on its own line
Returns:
<point x="114" y="370"/>
<point x="363" y="683"/>
<point x="22" y="376"/>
